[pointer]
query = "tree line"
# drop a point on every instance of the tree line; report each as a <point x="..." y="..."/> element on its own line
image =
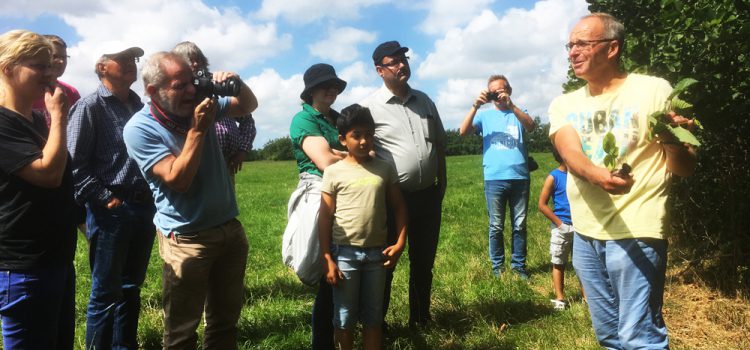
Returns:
<point x="537" y="141"/>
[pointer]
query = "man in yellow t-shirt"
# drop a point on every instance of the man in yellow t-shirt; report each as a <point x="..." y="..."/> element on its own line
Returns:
<point x="619" y="248"/>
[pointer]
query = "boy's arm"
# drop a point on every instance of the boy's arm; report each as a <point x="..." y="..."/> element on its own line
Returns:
<point x="544" y="195"/>
<point x="396" y="202"/>
<point x="325" y="222"/>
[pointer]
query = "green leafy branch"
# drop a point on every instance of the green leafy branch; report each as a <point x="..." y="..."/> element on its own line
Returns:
<point x="612" y="152"/>
<point x="659" y="123"/>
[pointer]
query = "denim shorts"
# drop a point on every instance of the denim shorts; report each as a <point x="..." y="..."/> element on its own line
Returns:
<point x="359" y="296"/>
<point x="560" y="244"/>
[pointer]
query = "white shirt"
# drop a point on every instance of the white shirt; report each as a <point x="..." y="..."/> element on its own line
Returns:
<point x="406" y="135"/>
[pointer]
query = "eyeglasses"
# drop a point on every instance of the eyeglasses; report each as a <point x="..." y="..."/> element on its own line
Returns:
<point x="584" y="44"/>
<point x="396" y="61"/>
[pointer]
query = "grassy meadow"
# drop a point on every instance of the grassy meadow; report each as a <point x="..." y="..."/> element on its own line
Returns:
<point x="471" y="309"/>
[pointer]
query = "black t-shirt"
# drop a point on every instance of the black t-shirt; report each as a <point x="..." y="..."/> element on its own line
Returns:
<point x="37" y="225"/>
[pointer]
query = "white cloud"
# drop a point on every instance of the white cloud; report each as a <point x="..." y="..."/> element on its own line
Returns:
<point x="303" y="12"/>
<point x="359" y="72"/>
<point x="340" y="44"/>
<point x="279" y="101"/>
<point x="446" y="14"/>
<point x="525" y="45"/>
<point x="29" y="9"/>
<point x="229" y="40"/>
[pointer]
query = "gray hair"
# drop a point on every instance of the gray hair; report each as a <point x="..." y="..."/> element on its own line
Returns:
<point x="97" y="66"/>
<point x="191" y="52"/>
<point x="613" y="28"/>
<point x="500" y="77"/>
<point x="152" y="71"/>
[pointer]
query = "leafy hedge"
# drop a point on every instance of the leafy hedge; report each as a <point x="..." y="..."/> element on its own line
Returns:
<point x="708" y="40"/>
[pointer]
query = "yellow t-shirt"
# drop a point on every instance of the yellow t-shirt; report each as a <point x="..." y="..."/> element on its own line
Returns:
<point x="359" y="218"/>
<point x="596" y="213"/>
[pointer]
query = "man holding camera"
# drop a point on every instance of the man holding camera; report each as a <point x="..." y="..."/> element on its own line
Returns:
<point x="506" y="173"/>
<point x="203" y="245"/>
<point x="118" y="202"/>
<point x="236" y="135"/>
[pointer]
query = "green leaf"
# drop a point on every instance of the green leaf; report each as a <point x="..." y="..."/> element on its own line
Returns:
<point x="610" y="161"/>
<point x="681" y="86"/>
<point x="678" y="103"/>
<point x="698" y="123"/>
<point x="609" y="144"/>
<point x="685" y="136"/>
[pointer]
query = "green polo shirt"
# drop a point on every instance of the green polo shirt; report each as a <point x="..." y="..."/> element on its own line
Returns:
<point x="310" y="122"/>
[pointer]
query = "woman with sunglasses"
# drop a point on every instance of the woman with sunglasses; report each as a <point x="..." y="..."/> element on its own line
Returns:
<point x="37" y="210"/>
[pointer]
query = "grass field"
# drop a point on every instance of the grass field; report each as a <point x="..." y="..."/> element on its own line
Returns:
<point x="471" y="309"/>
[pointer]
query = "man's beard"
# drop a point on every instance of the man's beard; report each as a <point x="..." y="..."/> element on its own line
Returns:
<point x="173" y="107"/>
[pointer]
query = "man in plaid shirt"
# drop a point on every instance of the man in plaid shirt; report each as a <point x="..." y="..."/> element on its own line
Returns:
<point x="236" y="140"/>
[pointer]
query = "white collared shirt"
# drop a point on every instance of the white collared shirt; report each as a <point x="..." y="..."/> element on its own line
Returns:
<point x="407" y="134"/>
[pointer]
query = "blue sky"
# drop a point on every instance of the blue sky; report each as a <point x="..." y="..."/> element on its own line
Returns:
<point x="455" y="44"/>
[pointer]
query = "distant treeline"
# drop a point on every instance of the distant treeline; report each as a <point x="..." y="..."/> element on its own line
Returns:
<point x="537" y="141"/>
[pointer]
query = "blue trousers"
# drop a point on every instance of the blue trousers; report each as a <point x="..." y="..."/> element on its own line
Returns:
<point x="120" y="247"/>
<point x="37" y="307"/>
<point x="624" y="284"/>
<point x="516" y="194"/>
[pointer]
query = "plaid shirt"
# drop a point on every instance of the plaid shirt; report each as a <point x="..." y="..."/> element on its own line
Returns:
<point x="96" y="146"/>
<point x="235" y="134"/>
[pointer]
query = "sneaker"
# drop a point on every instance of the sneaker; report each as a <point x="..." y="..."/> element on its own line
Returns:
<point x="558" y="305"/>
<point x="497" y="272"/>
<point x="522" y="274"/>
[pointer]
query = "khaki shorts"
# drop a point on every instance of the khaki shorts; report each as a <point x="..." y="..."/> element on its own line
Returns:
<point x="560" y="244"/>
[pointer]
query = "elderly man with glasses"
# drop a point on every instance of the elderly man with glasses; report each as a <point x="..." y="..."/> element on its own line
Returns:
<point x="619" y="217"/>
<point x="119" y="208"/>
<point x="409" y="134"/>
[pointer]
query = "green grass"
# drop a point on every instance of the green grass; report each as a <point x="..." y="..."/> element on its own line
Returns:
<point x="471" y="309"/>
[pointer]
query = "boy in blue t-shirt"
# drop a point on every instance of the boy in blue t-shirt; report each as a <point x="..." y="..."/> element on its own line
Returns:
<point x="352" y="227"/>
<point x="561" y="240"/>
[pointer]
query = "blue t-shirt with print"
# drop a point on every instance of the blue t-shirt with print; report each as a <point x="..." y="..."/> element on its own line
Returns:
<point x="210" y="200"/>
<point x="504" y="150"/>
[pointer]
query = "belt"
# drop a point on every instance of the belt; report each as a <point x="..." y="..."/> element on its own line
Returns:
<point x="136" y="196"/>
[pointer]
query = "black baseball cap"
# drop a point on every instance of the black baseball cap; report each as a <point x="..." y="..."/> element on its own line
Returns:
<point x="388" y="48"/>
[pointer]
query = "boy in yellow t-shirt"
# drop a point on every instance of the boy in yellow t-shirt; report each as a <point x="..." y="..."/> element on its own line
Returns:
<point x="352" y="228"/>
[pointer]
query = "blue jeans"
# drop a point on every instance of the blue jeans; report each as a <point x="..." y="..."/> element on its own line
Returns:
<point x="120" y="247"/>
<point x="624" y="284"/>
<point x="359" y="296"/>
<point x="516" y="194"/>
<point x="38" y="307"/>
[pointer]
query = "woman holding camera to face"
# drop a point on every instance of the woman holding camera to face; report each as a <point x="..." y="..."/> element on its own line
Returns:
<point x="315" y="147"/>
<point x="37" y="210"/>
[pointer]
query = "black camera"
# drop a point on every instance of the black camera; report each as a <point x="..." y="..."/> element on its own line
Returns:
<point x="206" y="87"/>
<point x="491" y="96"/>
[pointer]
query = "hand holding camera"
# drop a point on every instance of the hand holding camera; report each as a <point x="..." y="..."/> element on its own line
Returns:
<point x="204" y="114"/>
<point x="216" y="84"/>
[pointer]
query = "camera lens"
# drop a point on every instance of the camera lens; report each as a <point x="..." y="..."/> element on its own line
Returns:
<point x="229" y="87"/>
